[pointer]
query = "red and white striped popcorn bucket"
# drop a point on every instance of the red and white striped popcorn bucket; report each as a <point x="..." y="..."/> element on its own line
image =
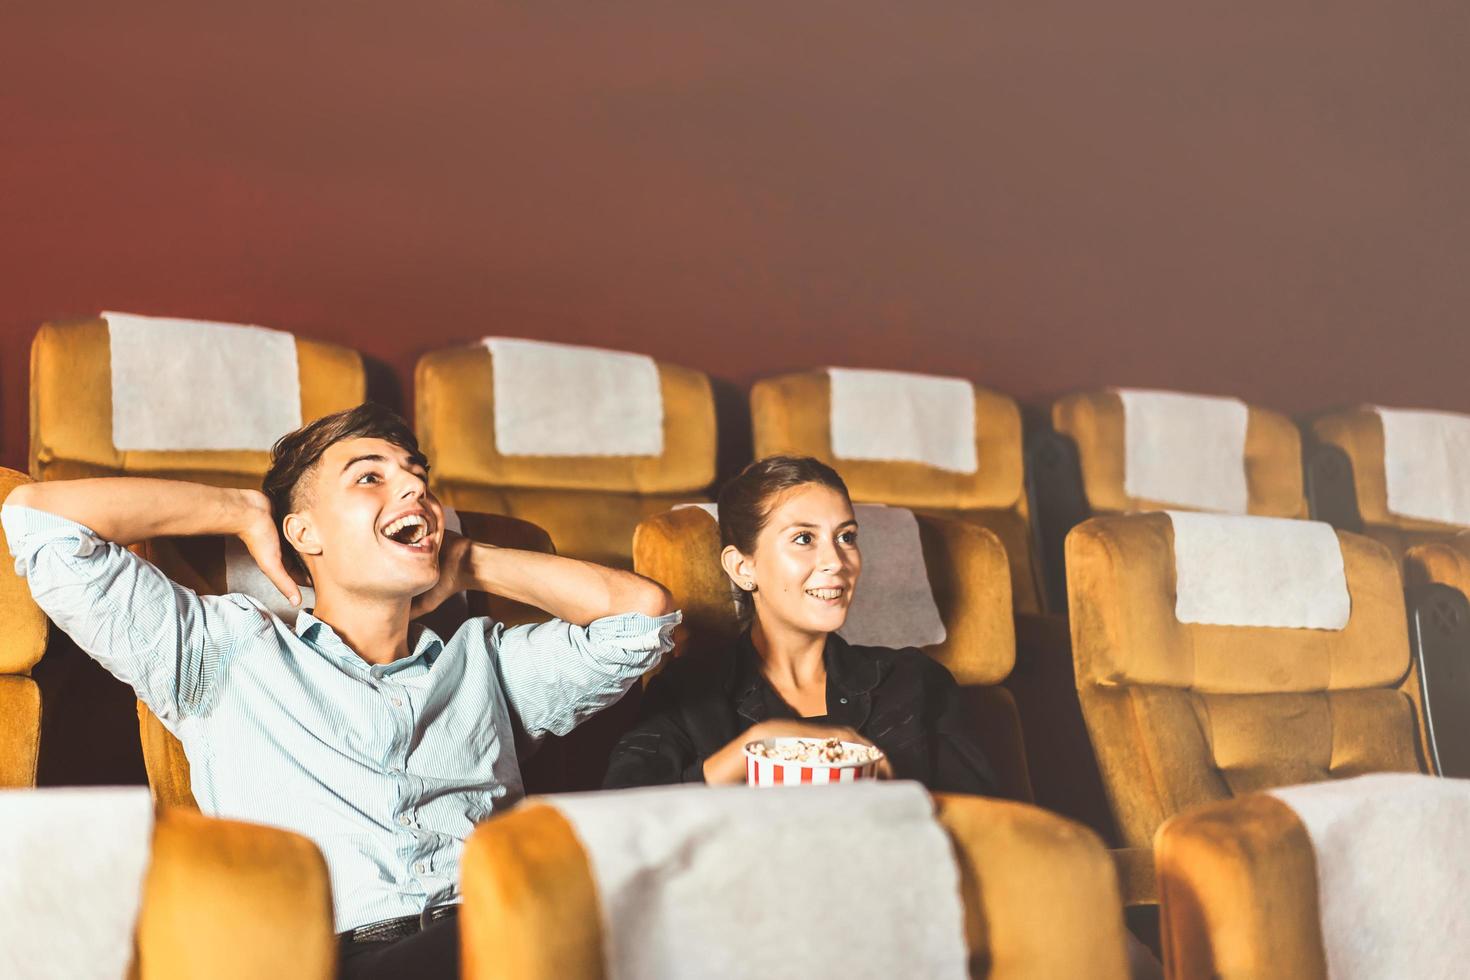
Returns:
<point x="763" y="770"/>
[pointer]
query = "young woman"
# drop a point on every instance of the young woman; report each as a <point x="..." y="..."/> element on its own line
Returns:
<point x="791" y="548"/>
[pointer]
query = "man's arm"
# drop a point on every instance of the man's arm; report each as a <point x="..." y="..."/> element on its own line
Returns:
<point x="576" y="592"/>
<point x="126" y="510"/>
<point x="164" y="641"/>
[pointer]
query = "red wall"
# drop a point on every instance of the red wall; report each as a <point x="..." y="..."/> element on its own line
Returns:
<point x="1265" y="200"/>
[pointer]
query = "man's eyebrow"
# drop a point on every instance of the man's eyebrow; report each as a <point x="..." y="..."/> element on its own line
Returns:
<point x="414" y="459"/>
<point x="365" y="458"/>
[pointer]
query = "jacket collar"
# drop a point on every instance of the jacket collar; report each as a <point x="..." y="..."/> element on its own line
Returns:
<point x="852" y="674"/>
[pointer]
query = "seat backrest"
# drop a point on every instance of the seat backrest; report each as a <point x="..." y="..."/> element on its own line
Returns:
<point x="1146" y="450"/>
<point x="23" y="631"/>
<point x="78" y="411"/>
<point x="234" y="900"/>
<point x="1409" y="470"/>
<point x="896" y="439"/>
<point x="215" y="565"/>
<point x="1032" y="886"/>
<point x="1445" y="561"/>
<point x="1186" y="712"/>
<point x="1354" y="880"/>
<point x="570" y="438"/>
<point x="201" y="897"/>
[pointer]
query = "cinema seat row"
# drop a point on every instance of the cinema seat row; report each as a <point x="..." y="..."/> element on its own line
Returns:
<point x="1222" y="645"/>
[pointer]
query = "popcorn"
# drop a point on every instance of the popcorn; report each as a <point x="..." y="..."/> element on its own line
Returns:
<point x="830" y="751"/>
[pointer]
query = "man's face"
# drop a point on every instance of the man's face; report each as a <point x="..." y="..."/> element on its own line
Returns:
<point x="367" y="523"/>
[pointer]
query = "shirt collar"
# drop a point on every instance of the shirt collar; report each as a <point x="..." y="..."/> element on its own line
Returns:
<point x="426" y="644"/>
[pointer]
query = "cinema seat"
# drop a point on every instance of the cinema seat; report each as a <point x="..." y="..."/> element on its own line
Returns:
<point x="1185" y="713"/>
<point x="23" y="631"/>
<point x="1032" y="885"/>
<point x="1204" y="453"/>
<point x="1348" y="880"/>
<point x="215" y="565"/>
<point x="966" y="576"/>
<point x="792" y="414"/>
<point x="1349" y="476"/>
<point x="225" y="900"/>
<point x="219" y="898"/>
<point x="72" y="411"/>
<point x="588" y="503"/>
<point x="1437" y="574"/>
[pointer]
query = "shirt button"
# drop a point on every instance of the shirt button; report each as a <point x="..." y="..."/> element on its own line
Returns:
<point x="403" y="821"/>
<point x="420" y="868"/>
<point x="842" y="700"/>
<point x="397" y="702"/>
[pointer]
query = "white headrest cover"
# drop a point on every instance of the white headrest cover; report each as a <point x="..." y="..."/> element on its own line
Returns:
<point x="818" y="881"/>
<point x="74" y="863"/>
<point x="1258" y="571"/>
<point x="894" y="604"/>
<point x="565" y="400"/>
<point x="1426" y="464"/>
<point x="892" y="416"/>
<point x="243" y="575"/>
<point x="1392" y="873"/>
<point x="188" y="385"/>
<point x="1185" y="450"/>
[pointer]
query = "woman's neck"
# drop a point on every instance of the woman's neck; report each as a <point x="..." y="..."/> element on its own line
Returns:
<point x="790" y="659"/>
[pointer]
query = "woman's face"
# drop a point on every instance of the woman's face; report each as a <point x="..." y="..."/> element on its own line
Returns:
<point x="806" y="562"/>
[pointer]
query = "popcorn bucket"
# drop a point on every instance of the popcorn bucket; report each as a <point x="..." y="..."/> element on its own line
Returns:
<point x="803" y="767"/>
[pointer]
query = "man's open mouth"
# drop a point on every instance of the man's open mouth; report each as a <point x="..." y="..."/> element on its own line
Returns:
<point x="409" y="529"/>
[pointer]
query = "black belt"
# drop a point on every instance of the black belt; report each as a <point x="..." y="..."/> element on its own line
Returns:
<point x="392" y="930"/>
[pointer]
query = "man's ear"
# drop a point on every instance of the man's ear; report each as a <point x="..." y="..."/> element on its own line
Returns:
<point x="301" y="534"/>
<point x="740" y="568"/>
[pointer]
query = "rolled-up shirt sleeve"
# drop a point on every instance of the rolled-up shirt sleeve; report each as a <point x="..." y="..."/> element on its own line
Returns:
<point x="556" y="675"/>
<point x="162" y="640"/>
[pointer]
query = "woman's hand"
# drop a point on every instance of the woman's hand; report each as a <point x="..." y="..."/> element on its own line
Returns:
<point x="454" y="552"/>
<point x="727" y="766"/>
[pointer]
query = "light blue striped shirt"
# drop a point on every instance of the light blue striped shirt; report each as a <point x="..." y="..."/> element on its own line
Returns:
<point x="387" y="768"/>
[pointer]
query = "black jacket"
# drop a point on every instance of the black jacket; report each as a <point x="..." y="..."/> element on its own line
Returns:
<point x="902" y="701"/>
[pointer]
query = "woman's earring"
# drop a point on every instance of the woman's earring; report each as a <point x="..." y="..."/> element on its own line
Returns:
<point x="748" y="586"/>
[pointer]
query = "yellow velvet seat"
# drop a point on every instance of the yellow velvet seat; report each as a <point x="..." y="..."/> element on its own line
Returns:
<point x="224" y="899"/>
<point x="1094" y="421"/>
<point x="1358" y="434"/>
<point x="1238" y="890"/>
<point x="71" y="410"/>
<point x="200" y="564"/>
<point x="1181" y="714"/>
<point x="1443" y="561"/>
<point x="792" y="414"/>
<point x="588" y="504"/>
<point x="1032" y="885"/>
<point x="23" y="631"/>
<point x="967" y="574"/>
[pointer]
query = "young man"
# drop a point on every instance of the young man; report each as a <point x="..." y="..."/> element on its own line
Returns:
<point x="379" y="740"/>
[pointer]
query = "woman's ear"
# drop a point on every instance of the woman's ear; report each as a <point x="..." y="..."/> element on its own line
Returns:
<point x="740" y="568"/>
<point x="301" y="534"/>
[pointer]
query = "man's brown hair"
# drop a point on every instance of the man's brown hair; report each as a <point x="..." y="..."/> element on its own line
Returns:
<point x="296" y="454"/>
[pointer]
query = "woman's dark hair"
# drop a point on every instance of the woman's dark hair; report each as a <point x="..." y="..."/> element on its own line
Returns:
<point x="296" y="454"/>
<point x="746" y="502"/>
